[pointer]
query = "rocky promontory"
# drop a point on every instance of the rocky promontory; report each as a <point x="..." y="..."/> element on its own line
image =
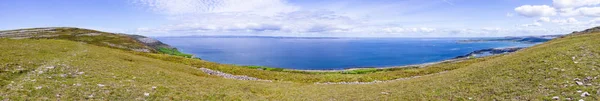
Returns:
<point x="490" y="51"/>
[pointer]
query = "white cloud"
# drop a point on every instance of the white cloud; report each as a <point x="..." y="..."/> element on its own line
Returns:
<point x="567" y="8"/>
<point x="569" y="12"/>
<point x="582" y="11"/>
<point x="565" y="21"/>
<point x="280" y="18"/>
<point x="535" y="24"/>
<point x="177" y="7"/>
<point x="590" y="11"/>
<point x="408" y="30"/>
<point x="595" y="21"/>
<point x="574" y="3"/>
<point x="292" y="22"/>
<point x="535" y="10"/>
<point x="245" y="16"/>
<point x="543" y="19"/>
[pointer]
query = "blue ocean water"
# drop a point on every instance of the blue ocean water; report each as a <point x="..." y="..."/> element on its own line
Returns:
<point x="327" y="53"/>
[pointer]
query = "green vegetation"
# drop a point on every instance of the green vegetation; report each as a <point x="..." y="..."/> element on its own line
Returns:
<point x="105" y="39"/>
<point x="118" y="41"/>
<point x="313" y="77"/>
<point x="48" y="69"/>
<point x="265" y="68"/>
<point x="174" y="52"/>
<point x="361" y="71"/>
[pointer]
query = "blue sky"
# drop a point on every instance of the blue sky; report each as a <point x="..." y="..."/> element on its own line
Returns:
<point x="308" y="18"/>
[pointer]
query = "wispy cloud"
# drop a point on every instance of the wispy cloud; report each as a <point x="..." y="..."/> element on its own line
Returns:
<point x="280" y="17"/>
<point x="448" y="2"/>
<point x="177" y="7"/>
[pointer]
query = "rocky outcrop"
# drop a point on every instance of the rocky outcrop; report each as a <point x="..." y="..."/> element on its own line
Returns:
<point x="491" y="51"/>
<point x="114" y="40"/>
<point x="587" y="31"/>
<point x="150" y="42"/>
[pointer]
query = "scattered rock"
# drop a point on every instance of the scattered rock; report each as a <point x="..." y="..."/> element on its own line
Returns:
<point x="77" y="84"/>
<point x="385" y="93"/>
<point x="225" y="75"/>
<point x="146" y="94"/>
<point x="100" y="85"/>
<point x="581" y="100"/>
<point x="555" y="98"/>
<point x="376" y="81"/>
<point x="50" y="67"/>
<point x="90" y="34"/>
<point x="579" y="83"/>
<point x="153" y="87"/>
<point x="588" y="78"/>
<point x="141" y="50"/>
<point x="38" y="87"/>
<point x="568" y="99"/>
<point x="585" y="94"/>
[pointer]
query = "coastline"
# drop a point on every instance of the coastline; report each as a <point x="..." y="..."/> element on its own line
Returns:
<point x="388" y="67"/>
<point x="457" y="59"/>
<point x="492" y="51"/>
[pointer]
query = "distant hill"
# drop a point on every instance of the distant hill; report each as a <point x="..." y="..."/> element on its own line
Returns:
<point x="587" y="31"/>
<point x="113" y="40"/>
<point x="523" y="39"/>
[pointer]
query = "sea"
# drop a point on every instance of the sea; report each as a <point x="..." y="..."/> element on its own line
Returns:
<point x="328" y="53"/>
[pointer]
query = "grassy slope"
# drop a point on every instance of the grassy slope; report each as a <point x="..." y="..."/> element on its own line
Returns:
<point x="539" y="72"/>
<point x="94" y="37"/>
<point x="173" y="52"/>
<point x="105" y="39"/>
<point x="312" y="77"/>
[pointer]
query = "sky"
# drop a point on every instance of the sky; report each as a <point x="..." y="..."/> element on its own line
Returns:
<point x="308" y="18"/>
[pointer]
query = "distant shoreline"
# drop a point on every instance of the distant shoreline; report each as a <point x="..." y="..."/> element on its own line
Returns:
<point x="388" y="67"/>
<point x="457" y="59"/>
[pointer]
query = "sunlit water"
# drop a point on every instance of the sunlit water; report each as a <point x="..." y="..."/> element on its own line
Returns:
<point x="327" y="53"/>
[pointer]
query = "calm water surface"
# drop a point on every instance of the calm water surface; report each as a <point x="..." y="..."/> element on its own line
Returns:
<point x="327" y="53"/>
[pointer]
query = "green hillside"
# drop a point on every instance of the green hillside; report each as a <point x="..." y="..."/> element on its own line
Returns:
<point x="106" y="39"/>
<point x="57" y="69"/>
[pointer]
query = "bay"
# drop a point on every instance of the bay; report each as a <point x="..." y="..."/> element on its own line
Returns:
<point x="327" y="53"/>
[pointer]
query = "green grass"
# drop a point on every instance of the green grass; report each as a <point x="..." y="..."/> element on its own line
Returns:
<point x="361" y="71"/>
<point x="536" y="73"/>
<point x="313" y="77"/>
<point x="174" y="52"/>
<point x="105" y="39"/>
<point x="265" y="68"/>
